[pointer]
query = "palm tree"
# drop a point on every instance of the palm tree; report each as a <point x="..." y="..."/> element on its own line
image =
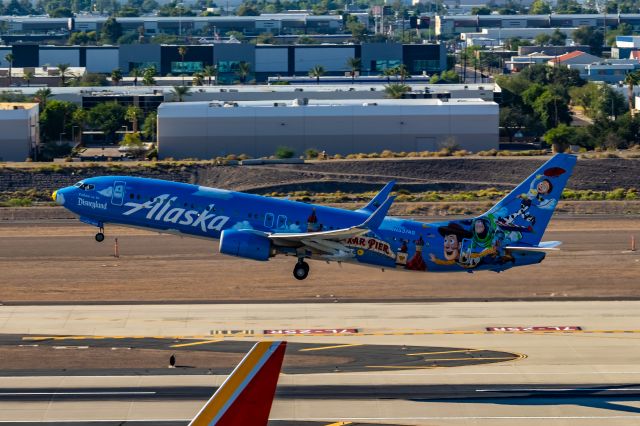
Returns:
<point x="116" y="76"/>
<point x="148" y="76"/>
<point x="133" y="114"/>
<point x="244" y="69"/>
<point x="317" y="71"/>
<point x="179" y="92"/>
<point x="28" y="76"/>
<point x="9" y="58"/>
<point x="63" y="68"/>
<point x="632" y="79"/>
<point x="182" y="51"/>
<point x="135" y="73"/>
<point x="198" y="79"/>
<point x="389" y="72"/>
<point x="42" y="95"/>
<point x="210" y="71"/>
<point x="402" y="72"/>
<point x="396" y="90"/>
<point x="354" y="65"/>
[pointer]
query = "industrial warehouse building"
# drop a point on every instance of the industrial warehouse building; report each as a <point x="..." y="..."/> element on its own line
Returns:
<point x="207" y="130"/>
<point x="264" y="60"/>
<point x="18" y="130"/>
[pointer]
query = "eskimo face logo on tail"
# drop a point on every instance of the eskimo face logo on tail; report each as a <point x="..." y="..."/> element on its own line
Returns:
<point x="159" y="209"/>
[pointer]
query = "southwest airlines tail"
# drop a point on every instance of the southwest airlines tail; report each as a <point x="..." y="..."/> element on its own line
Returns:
<point x="245" y="397"/>
<point x="525" y="212"/>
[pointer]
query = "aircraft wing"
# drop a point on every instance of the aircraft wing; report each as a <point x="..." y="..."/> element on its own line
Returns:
<point x="543" y="246"/>
<point x="371" y="224"/>
<point x="246" y="396"/>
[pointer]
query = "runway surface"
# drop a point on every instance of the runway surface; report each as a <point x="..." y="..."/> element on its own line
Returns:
<point x="565" y="376"/>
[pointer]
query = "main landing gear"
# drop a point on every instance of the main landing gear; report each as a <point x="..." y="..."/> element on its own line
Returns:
<point x="100" y="235"/>
<point x="301" y="270"/>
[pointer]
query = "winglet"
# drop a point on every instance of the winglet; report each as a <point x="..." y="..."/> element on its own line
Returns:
<point x="378" y="199"/>
<point x="245" y="397"/>
<point x="376" y="218"/>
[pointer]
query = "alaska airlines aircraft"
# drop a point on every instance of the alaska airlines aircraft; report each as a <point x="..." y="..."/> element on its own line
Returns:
<point x="259" y="228"/>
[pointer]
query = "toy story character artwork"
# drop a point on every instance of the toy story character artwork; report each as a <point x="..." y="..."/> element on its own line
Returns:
<point x="453" y="235"/>
<point x="540" y="187"/>
<point x="402" y="255"/>
<point x="312" y="222"/>
<point x="416" y="263"/>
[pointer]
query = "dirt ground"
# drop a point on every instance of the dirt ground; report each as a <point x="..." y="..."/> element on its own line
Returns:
<point x="59" y="261"/>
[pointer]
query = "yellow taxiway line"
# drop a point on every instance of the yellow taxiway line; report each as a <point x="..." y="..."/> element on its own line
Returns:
<point x="202" y="342"/>
<point x="322" y="348"/>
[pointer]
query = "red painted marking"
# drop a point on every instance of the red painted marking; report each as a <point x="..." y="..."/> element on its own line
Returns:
<point x="537" y="328"/>
<point x="313" y="331"/>
<point x="554" y="171"/>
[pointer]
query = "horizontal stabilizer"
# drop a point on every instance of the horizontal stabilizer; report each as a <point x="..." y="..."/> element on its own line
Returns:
<point x="246" y="396"/>
<point x="543" y="246"/>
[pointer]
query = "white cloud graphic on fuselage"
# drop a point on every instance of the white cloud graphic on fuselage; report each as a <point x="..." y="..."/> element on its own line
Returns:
<point x="242" y="225"/>
<point x="221" y="194"/>
<point x="107" y="192"/>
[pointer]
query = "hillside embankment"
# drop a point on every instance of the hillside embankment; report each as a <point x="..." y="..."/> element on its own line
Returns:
<point x="351" y="176"/>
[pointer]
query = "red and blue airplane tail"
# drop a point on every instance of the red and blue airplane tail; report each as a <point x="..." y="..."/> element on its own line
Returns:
<point x="523" y="215"/>
<point x="246" y="396"/>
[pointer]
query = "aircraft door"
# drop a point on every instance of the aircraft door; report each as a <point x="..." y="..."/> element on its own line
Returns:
<point x="268" y="220"/>
<point x="117" y="198"/>
<point x="282" y="221"/>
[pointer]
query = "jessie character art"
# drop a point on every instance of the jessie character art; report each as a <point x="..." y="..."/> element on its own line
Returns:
<point x="453" y="235"/>
<point x="416" y="263"/>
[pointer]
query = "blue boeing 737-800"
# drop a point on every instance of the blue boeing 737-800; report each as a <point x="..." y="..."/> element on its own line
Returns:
<point x="259" y="228"/>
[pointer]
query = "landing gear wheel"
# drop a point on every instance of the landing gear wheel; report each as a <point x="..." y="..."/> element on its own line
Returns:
<point x="301" y="270"/>
<point x="100" y="236"/>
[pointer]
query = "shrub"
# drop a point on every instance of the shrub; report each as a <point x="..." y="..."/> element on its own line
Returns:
<point x="284" y="152"/>
<point x="311" y="153"/>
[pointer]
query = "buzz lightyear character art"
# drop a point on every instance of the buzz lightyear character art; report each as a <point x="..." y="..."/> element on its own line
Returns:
<point x="540" y="187"/>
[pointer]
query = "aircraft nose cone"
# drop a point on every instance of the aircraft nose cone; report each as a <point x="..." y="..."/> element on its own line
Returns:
<point x="58" y="197"/>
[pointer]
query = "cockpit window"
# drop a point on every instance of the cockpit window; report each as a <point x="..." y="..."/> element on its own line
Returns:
<point x="84" y="186"/>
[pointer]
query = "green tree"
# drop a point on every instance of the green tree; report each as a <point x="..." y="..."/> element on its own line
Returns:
<point x="480" y="10"/>
<point x="107" y="117"/>
<point x="396" y="90"/>
<point x="558" y="38"/>
<point x="133" y="144"/>
<point x="133" y="114"/>
<point x="512" y="120"/>
<point x="210" y="71"/>
<point x="552" y="108"/>
<point x="354" y="65"/>
<point x="79" y="118"/>
<point x="179" y="92"/>
<point x="198" y="79"/>
<point x="9" y="58"/>
<point x="61" y="12"/>
<point x="148" y="76"/>
<point x="111" y="31"/>
<point x="316" y="72"/>
<point x="247" y="10"/>
<point x="590" y="36"/>
<point x="631" y="79"/>
<point x="358" y="30"/>
<point x="56" y="119"/>
<point x="243" y="72"/>
<point x="135" y="73"/>
<point x="150" y="126"/>
<point x="542" y="39"/>
<point x="559" y="137"/>
<point x="28" y="76"/>
<point x="445" y="77"/>
<point x="63" y="69"/>
<point x="540" y="7"/>
<point x="42" y="97"/>
<point x="116" y="76"/>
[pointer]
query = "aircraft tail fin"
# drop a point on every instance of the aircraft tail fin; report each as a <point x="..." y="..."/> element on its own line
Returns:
<point x="380" y="198"/>
<point x="246" y="396"/>
<point x="523" y="215"/>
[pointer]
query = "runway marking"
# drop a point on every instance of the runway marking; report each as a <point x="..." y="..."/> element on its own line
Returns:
<point x="446" y="352"/>
<point x="382" y="333"/>
<point x="340" y="424"/>
<point x="560" y="390"/>
<point x="489" y="358"/>
<point x="203" y="342"/>
<point x="105" y="393"/>
<point x="404" y="367"/>
<point x="322" y="348"/>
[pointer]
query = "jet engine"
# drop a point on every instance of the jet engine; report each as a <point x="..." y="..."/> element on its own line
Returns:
<point x="243" y="243"/>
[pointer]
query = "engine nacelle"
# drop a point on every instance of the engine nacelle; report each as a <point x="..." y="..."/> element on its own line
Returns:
<point x="245" y="244"/>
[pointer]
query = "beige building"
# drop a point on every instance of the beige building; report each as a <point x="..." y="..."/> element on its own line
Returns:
<point x="19" y="130"/>
<point x="209" y="129"/>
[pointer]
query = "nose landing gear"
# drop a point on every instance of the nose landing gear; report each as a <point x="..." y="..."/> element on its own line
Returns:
<point x="100" y="235"/>
<point x="301" y="270"/>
